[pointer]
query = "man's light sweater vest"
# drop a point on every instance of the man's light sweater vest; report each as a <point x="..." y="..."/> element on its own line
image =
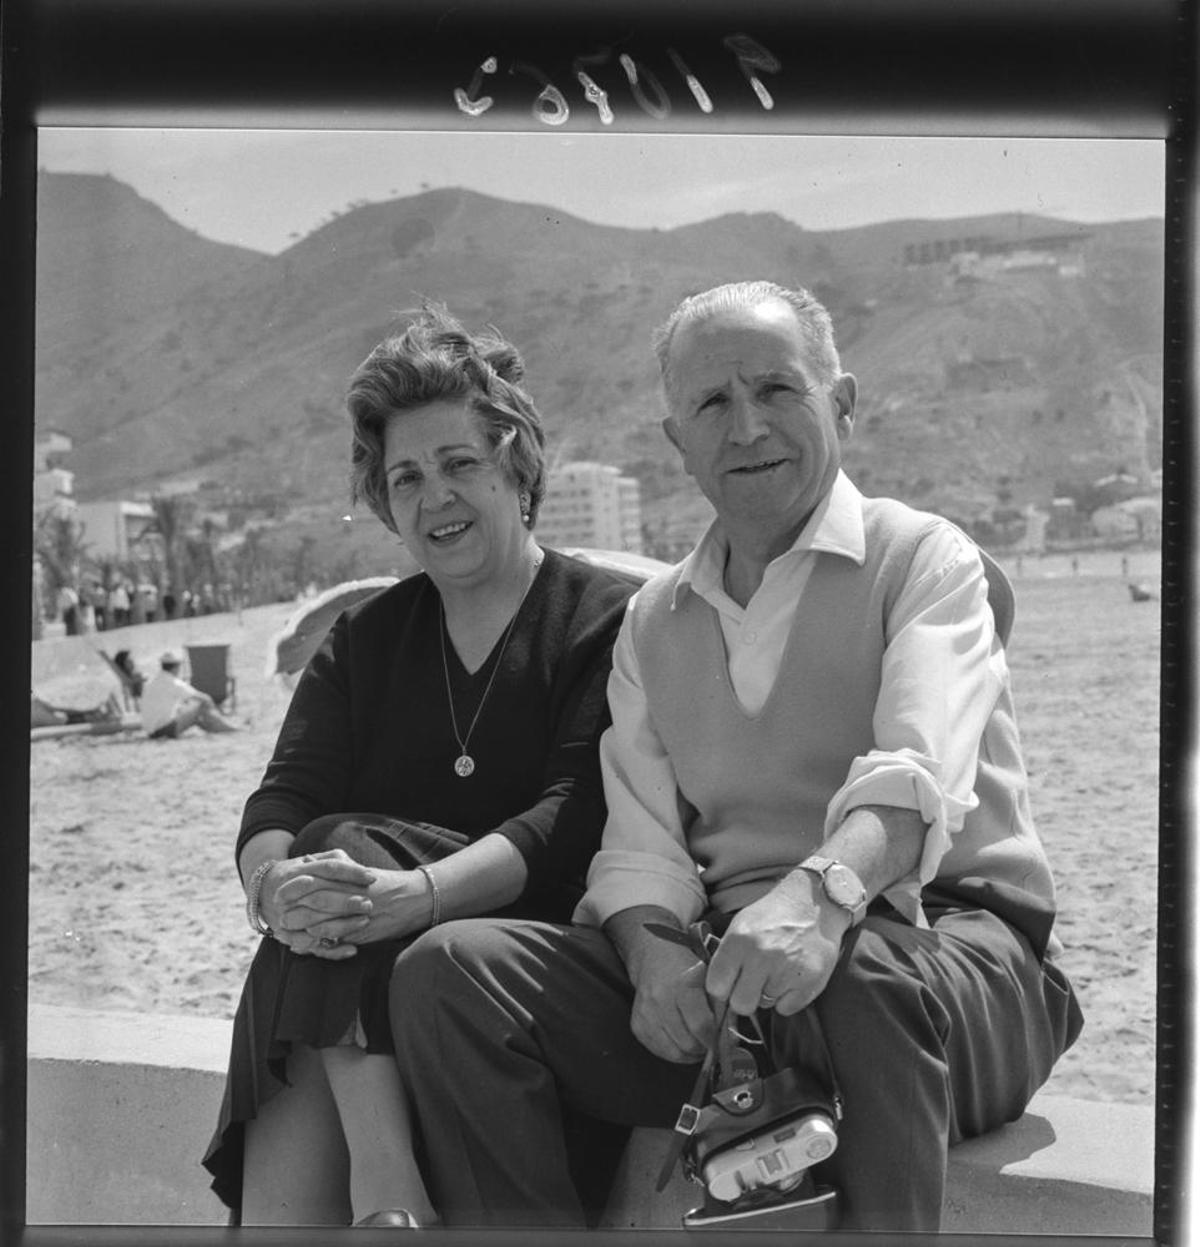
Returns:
<point x="754" y="788"/>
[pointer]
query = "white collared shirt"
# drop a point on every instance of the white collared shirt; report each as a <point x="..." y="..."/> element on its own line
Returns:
<point x="927" y="730"/>
<point x="164" y="693"/>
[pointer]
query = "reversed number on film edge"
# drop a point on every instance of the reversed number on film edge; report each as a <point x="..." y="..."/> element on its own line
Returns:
<point x="551" y="108"/>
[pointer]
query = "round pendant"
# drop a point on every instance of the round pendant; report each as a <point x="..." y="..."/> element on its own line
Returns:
<point x="464" y="766"/>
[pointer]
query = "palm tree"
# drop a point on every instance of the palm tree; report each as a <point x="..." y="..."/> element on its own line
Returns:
<point x="58" y="540"/>
<point x="171" y="516"/>
<point x="303" y="562"/>
<point x="250" y="564"/>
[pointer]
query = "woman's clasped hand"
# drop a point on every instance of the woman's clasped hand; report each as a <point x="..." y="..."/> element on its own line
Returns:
<point x="327" y="903"/>
<point x="316" y="903"/>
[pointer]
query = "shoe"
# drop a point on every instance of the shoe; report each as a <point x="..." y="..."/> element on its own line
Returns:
<point x="389" y="1218"/>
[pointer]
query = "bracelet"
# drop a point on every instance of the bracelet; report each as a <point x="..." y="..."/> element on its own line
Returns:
<point x="437" y="896"/>
<point x="253" y="892"/>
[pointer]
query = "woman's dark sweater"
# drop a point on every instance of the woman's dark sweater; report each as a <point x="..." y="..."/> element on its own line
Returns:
<point x="369" y="730"/>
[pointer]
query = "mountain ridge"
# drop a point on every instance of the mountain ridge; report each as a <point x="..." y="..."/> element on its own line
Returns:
<point x="187" y="359"/>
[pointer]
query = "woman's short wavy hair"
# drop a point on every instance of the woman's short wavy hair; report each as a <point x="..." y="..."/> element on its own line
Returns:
<point x="433" y="359"/>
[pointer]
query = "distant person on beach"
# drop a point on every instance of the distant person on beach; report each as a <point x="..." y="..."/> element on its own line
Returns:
<point x="131" y="678"/>
<point x="68" y="610"/>
<point x="170" y="705"/>
<point x="117" y="605"/>
<point x="87" y="610"/>
<point x="438" y="761"/>
<point x="147" y="597"/>
<point x="813" y="750"/>
<point x="43" y="714"/>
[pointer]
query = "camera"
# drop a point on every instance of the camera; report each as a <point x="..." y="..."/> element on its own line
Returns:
<point x="776" y="1158"/>
<point x="752" y="1150"/>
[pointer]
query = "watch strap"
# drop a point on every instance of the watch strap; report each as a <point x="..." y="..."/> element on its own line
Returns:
<point x="820" y="866"/>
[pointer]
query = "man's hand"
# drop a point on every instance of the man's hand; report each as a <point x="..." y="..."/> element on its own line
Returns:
<point x="780" y="951"/>
<point x="672" y="1016"/>
<point x="671" y="1012"/>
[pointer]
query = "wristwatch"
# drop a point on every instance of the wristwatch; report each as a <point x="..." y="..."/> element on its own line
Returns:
<point x="840" y="884"/>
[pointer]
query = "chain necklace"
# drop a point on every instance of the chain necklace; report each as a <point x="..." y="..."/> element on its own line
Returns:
<point x="464" y="764"/>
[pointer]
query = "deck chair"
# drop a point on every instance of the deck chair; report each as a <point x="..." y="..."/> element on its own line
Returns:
<point x="209" y="668"/>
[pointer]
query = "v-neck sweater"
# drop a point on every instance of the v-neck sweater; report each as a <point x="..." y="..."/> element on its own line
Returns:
<point x="369" y="725"/>
<point x="755" y="787"/>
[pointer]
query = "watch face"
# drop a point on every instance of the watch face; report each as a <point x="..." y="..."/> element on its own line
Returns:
<point x="843" y="887"/>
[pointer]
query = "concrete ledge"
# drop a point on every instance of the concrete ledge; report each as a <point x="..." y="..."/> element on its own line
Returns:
<point x="1067" y="1167"/>
<point x="120" y="1109"/>
<point x="122" y="1105"/>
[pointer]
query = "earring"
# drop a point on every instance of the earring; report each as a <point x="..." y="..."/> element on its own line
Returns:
<point x="524" y="501"/>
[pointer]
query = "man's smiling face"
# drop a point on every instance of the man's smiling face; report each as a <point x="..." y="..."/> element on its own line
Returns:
<point x="759" y="433"/>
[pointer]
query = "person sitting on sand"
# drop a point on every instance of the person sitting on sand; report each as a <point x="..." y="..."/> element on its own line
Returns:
<point x="170" y="705"/>
<point x="132" y="680"/>
<point x="461" y="711"/>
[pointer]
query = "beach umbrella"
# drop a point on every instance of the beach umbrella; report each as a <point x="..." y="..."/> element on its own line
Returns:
<point x="289" y="650"/>
<point x="68" y="673"/>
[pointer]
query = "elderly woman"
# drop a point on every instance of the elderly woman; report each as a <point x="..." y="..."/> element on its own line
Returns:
<point x="438" y="760"/>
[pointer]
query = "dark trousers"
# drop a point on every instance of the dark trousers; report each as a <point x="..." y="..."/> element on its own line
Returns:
<point x="935" y="1034"/>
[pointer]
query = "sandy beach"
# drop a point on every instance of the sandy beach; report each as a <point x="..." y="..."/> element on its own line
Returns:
<point x="135" y="902"/>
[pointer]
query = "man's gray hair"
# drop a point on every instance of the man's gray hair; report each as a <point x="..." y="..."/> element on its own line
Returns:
<point x="816" y="327"/>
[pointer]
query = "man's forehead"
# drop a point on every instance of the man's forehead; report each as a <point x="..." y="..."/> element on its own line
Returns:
<point x="739" y="338"/>
<point x="772" y="321"/>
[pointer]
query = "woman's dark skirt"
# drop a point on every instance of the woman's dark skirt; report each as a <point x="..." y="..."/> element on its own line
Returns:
<point x="290" y="999"/>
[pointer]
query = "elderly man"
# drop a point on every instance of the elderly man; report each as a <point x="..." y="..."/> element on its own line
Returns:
<point x="813" y="746"/>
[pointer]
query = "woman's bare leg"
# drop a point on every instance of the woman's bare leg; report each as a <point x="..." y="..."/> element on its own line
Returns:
<point x="377" y="1127"/>
<point x="296" y="1166"/>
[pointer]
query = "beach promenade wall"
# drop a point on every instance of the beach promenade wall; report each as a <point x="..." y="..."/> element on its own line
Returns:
<point x="121" y="1106"/>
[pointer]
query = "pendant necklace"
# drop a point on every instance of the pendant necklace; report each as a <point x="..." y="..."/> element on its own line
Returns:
<point x="464" y="764"/>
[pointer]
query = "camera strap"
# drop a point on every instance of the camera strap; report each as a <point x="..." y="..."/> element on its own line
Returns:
<point x="692" y="1112"/>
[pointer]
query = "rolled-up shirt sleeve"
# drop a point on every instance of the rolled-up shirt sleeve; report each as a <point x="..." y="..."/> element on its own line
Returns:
<point x="643" y="857"/>
<point x="943" y="670"/>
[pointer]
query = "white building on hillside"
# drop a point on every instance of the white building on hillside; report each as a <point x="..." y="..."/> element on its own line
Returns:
<point x="591" y="504"/>
<point x="115" y="529"/>
<point x="1132" y="519"/>
<point x="53" y="485"/>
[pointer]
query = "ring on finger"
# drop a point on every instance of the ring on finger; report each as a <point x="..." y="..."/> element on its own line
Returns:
<point x="329" y="941"/>
<point x="767" y="1000"/>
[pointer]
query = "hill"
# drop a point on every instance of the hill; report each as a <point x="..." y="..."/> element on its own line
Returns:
<point x="108" y="262"/>
<point x="169" y="357"/>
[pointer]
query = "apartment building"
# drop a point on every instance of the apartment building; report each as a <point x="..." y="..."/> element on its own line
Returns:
<point x="594" y="505"/>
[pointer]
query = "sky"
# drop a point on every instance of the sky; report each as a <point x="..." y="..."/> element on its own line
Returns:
<point x="265" y="188"/>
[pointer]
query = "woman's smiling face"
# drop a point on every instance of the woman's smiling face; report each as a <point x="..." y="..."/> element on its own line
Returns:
<point x="453" y="507"/>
